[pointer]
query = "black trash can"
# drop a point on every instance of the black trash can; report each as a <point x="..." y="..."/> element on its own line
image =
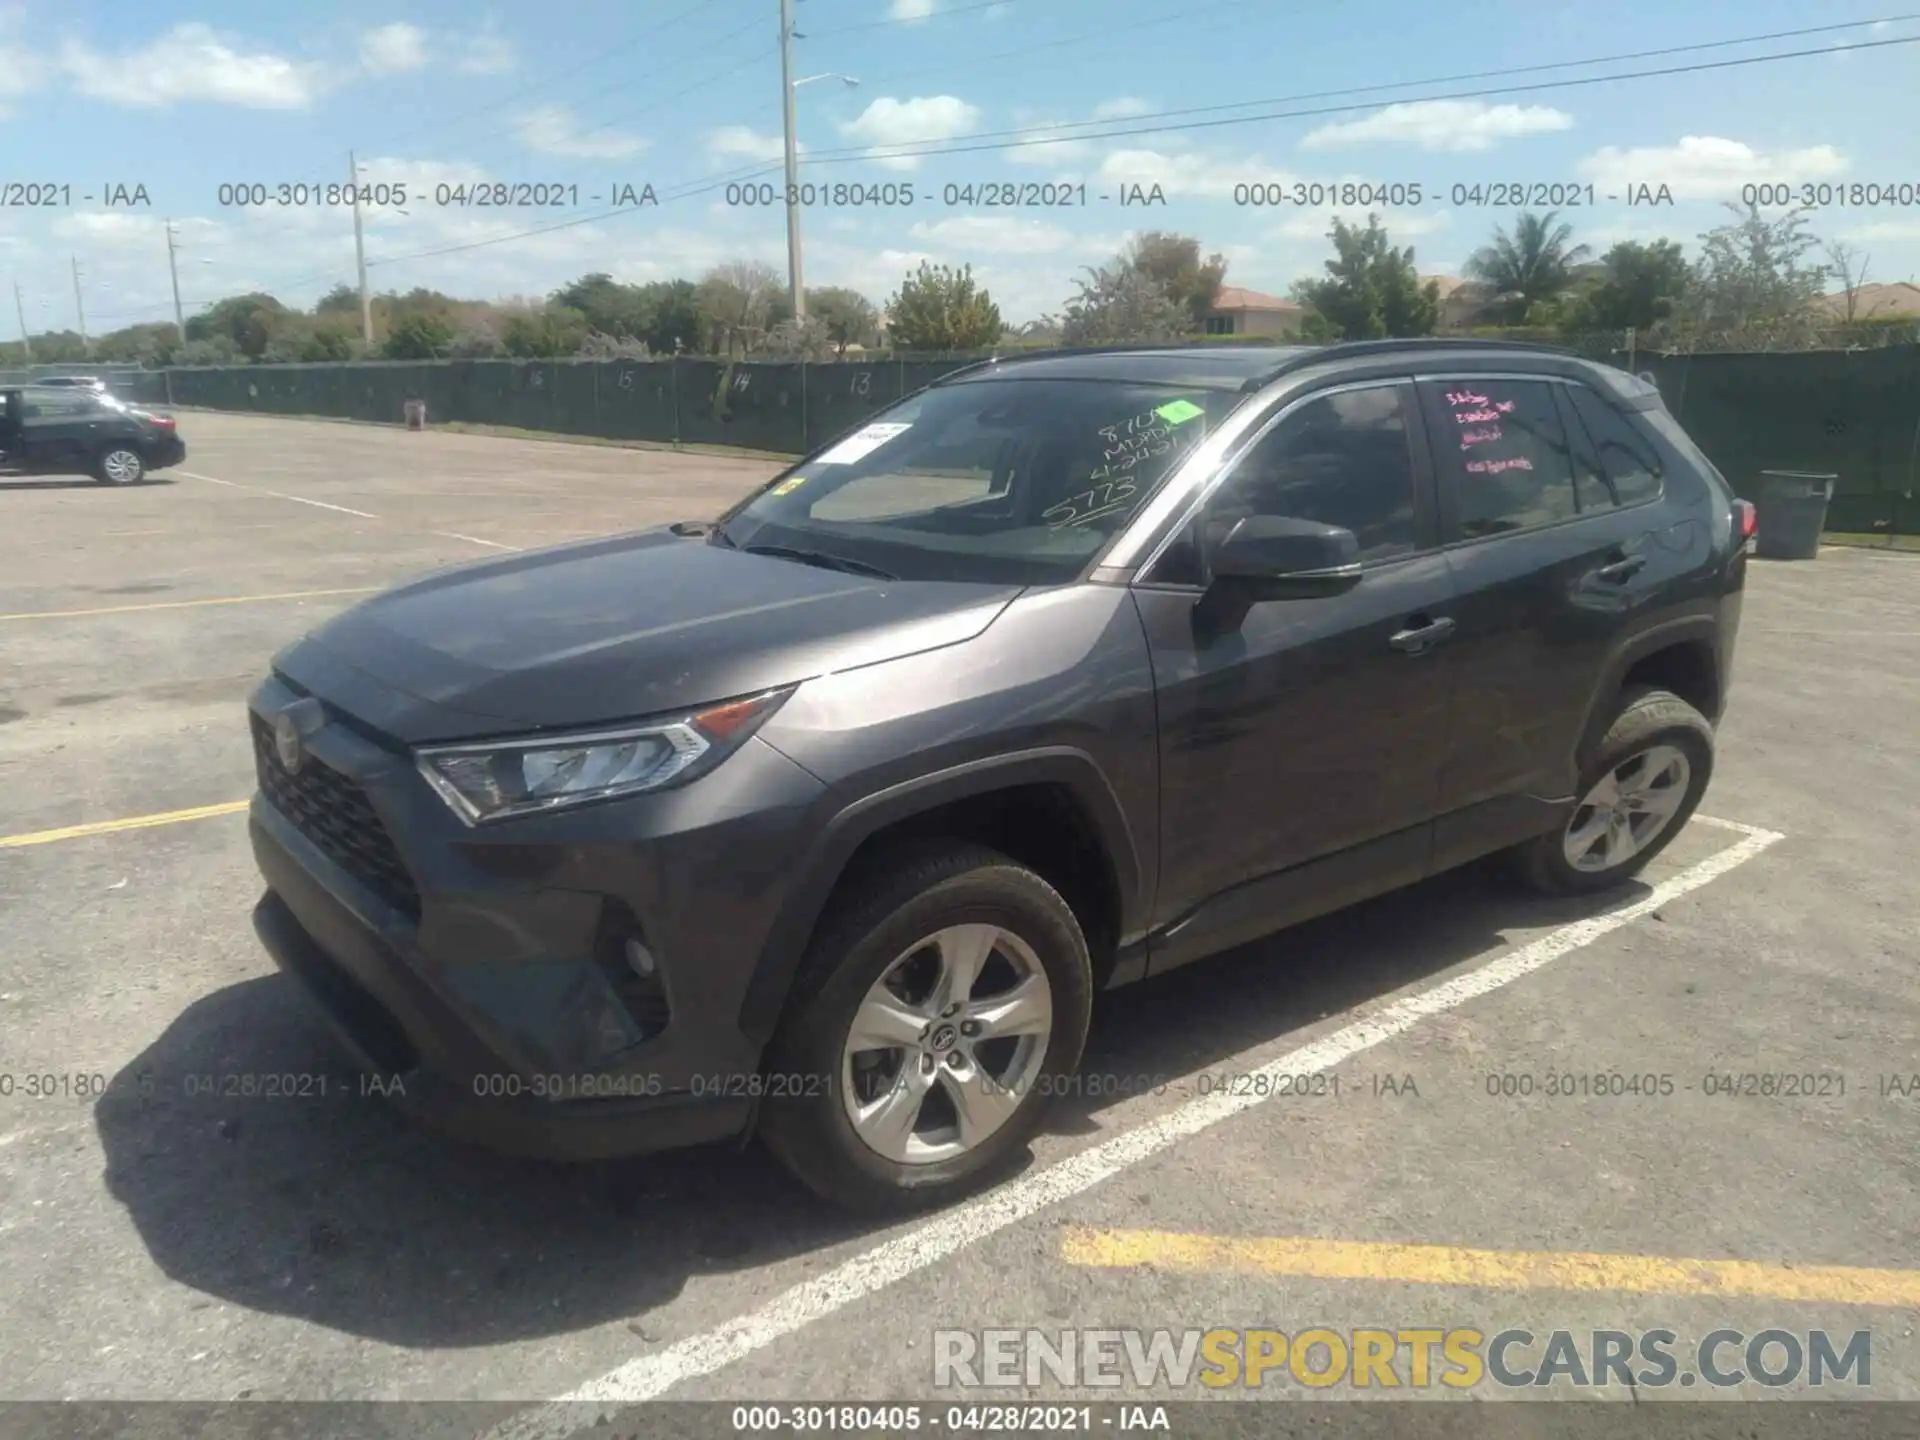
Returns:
<point x="416" y="412"/>
<point x="1792" y="507"/>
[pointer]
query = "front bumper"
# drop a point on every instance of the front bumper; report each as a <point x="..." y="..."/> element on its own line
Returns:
<point x="481" y="973"/>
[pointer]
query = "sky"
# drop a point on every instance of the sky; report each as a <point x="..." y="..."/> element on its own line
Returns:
<point x="1140" y="114"/>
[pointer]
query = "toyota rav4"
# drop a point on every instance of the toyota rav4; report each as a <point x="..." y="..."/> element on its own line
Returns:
<point x="826" y="819"/>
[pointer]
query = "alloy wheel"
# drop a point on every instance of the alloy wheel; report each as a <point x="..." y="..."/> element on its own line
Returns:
<point x="1627" y="809"/>
<point x="947" y="1044"/>
<point x="122" y="467"/>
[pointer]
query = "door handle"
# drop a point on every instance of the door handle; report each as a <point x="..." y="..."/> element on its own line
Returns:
<point x="1417" y="639"/>
<point x="1620" y="570"/>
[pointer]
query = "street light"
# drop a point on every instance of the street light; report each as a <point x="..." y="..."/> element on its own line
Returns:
<point x="795" y="283"/>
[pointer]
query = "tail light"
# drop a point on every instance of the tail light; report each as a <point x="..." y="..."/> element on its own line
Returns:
<point x="1746" y="519"/>
<point x="165" y="422"/>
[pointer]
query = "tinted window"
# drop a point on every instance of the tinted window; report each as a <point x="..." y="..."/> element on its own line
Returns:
<point x="1341" y="459"/>
<point x="1500" y="448"/>
<point x="1003" y="480"/>
<point x="1626" y="457"/>
<point x="55" y="405"/>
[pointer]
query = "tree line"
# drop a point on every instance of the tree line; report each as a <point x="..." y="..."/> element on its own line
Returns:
<point x="1754" y="275"/>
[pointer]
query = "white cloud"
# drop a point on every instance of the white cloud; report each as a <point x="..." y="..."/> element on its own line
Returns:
<point x="551" y="130"/>
<point x="888" y="122"/>
<point x="393" y="49"/>
<point x="995" y="234"/>
<point x="1189" y="173"/>
<point x="911" y="9"/>
<point x="743" y="142"/>
<point x="1707" y="167"/>
<point x="1123" y="107"/>
<point x="21" y="71"/>
<point x="1441" y="125"/>
<point x="1318" y="224"/>
<point x="486" y="54"/>
<point x="192" y="62"/>
<point x="1042" y="149"/>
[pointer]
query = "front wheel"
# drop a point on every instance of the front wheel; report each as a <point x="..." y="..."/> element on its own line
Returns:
<point x="933" y="1020"/>
<point x="1636" y="793"/>
<point x="120" y="465"/>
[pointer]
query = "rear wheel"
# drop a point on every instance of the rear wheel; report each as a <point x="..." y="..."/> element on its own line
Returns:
<point x="933" y="1020"/>
<point x="120" y="465"/>
<point x="1637" y="792"/>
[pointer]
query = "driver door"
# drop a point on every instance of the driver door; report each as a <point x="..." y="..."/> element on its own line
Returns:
<point x="1302" y="740"/>
<point x="56" y="432"/>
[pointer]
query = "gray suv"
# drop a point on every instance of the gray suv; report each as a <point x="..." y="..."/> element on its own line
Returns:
<point x="825" y="820"/>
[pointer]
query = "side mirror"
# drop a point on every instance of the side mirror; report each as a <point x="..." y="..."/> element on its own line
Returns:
<point x="1273" y="557"/>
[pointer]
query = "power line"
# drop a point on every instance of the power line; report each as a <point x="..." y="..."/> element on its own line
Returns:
<point x="891" y="21"/>
<point x="628" y="84"/>
<point x="1154" y="124"/>
<point x="599" y="57"/>
<point x="1105" y="31"/>
<point x="1049" y="134"/>
<point x="1054" y="130"/>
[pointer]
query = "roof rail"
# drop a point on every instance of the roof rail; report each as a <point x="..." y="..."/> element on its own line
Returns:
<point x="1344" y="349"/>
<point x="1277" y="342"/>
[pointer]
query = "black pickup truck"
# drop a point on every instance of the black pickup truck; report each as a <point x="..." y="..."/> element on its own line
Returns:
<point x="73" y="430"/>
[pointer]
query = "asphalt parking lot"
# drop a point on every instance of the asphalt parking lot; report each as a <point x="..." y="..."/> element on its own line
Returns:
<point x="183" y="1245"/>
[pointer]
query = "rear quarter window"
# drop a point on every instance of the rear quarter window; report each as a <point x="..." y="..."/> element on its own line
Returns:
<point x="1629" y="459"/>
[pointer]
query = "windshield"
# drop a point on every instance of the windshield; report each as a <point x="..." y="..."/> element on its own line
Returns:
<point x="1003" y="481"/>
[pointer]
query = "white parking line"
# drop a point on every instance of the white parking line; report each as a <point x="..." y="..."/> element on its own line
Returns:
<point x="648" y="1376"/>
<point x="344" y="510"/>
<point x="473" y="539"/>
<point x="277" y="494"/>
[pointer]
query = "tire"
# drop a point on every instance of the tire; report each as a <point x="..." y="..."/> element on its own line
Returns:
<point x="120" y="465"/>
<point x="884" y="929"/>
<point x="1649" y="726"/>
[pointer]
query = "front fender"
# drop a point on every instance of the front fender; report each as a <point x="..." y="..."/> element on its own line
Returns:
<point x="853" y="825"/>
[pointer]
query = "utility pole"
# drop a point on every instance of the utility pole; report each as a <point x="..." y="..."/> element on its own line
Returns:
<point x="20" y="309"/>
<point x="795" y="287"/>
<point x="80" y="309"/>
<point x="173" y="269"/>
<point x="360" y="254"/>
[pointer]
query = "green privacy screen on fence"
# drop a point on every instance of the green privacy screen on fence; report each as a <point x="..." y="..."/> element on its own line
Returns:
<point x="1855" y="414"/>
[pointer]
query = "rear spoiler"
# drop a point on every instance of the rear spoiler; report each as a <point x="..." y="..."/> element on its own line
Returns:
<point x="1630" y="392"/>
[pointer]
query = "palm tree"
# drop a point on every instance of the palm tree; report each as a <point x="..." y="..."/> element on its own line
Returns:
<point x="1532" y="265"/>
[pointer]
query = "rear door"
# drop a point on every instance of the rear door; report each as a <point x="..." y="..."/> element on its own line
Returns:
<point x="56" y="431"/>
<point x="1551" y="562"/>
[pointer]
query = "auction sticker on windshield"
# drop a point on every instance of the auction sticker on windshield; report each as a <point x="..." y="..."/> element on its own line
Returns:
<point x="862" y="443"/>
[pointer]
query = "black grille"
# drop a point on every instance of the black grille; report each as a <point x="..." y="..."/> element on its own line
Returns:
<point x="335" y="814"/>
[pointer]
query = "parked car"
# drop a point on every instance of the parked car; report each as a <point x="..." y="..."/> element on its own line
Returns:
<point x="827" y="819"/>
<point x="73" y="431"/>
<point x="79" y="382"/>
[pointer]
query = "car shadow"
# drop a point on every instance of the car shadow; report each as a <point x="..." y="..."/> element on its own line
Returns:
<point x="16" y="482"/>
<point x="327" y="1206"/>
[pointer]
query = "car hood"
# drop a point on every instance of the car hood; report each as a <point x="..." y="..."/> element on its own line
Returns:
<point x="613" y="629"/>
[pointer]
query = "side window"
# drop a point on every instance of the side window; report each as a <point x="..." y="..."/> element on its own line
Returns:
<point x="52" y="406"/>
<point x="1500" y="448"/>
<point x="1627" y="458"/>
<point x="1341" y="459"/>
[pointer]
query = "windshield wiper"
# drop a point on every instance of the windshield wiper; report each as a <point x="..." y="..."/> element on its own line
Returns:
<point x="822" y="559"/>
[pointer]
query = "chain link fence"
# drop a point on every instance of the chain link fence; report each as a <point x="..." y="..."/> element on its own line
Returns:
<point x="1852" y="411"/>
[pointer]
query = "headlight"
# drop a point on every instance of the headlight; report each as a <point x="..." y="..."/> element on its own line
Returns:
<point x="517" y="777"/>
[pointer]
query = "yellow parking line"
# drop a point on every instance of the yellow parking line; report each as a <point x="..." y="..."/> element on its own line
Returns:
<point x="1489" y="1269"/>
<point x="113" y="827"/>
<point x="188" y="604"/>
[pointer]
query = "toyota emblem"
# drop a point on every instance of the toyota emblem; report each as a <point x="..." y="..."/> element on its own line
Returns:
<point x="288" y="748"/>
